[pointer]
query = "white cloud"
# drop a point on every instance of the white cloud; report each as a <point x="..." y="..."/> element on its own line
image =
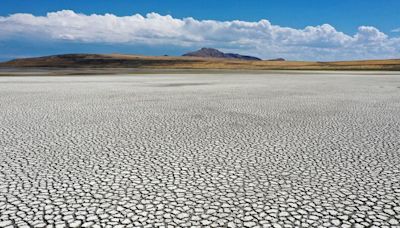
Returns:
<point x="396" y="30"/>
<point x="260" y="38"/>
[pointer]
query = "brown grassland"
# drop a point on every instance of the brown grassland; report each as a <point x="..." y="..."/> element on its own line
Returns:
<point x="166" y="62"/>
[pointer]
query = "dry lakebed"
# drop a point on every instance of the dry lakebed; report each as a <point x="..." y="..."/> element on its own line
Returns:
<point x="201" y="150"/>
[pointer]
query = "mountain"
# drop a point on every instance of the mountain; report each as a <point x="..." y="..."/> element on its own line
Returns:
<point x="214" y="53"/>
<point x="113" y="62"/>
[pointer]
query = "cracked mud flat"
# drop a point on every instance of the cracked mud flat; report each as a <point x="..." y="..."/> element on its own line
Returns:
<point x="280" y="150"/>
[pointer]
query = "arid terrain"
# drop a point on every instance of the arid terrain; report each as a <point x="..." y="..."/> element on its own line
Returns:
<point x="166" y="62"/>
<point x="211" y="150"/>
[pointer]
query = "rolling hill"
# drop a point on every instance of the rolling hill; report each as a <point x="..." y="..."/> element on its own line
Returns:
<point x="189" y="62"/>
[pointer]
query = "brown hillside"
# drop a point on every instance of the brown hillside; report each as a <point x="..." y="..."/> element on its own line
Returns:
<point x="165" y="62"/>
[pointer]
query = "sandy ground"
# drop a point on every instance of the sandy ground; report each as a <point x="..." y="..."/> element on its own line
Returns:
<point x="240" y="150"/>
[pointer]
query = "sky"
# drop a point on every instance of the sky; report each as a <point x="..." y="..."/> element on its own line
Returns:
<point x="321" y="30"/>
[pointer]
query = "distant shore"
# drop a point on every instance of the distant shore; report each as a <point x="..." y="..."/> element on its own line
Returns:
<point x="21" y="72"/>
<point x="134" y="63"/>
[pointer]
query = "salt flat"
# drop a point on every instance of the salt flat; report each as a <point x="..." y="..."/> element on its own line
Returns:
<point x="238" y="150"/>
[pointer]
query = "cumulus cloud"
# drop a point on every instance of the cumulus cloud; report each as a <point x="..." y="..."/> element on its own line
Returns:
<point x="260" y="38"/>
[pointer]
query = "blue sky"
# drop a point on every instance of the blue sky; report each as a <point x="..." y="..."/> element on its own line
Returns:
<point x="344" y="16"/>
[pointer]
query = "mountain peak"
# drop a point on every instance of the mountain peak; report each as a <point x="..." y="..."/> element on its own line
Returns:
<point x="214" y="53"/>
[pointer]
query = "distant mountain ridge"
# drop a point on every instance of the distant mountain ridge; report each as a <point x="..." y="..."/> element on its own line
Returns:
<point x="114" y="61"/>
<point x="214" y="53"/>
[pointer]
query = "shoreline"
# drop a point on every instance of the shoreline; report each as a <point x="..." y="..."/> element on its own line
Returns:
<point x="50" y="71"/>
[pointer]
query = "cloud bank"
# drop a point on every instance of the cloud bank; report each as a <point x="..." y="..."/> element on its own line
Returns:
<point x="260" y="38"/>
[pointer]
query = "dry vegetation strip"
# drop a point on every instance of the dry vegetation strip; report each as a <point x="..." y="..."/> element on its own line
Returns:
<point x="134" y="61"/>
